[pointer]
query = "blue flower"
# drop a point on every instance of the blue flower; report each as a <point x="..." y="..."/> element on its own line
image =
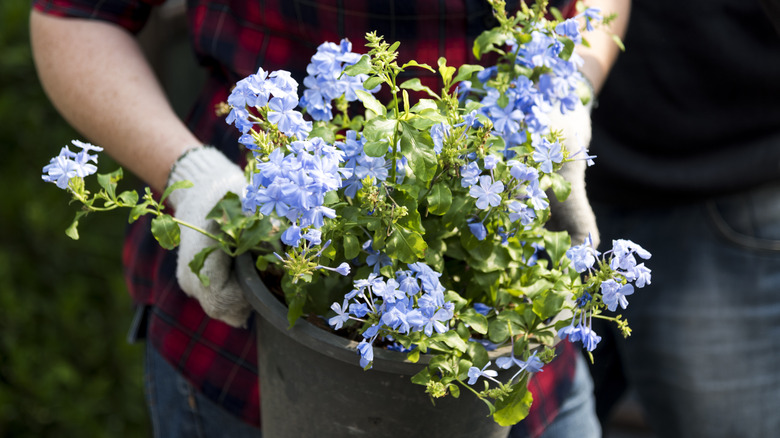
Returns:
<point x="482" y="309"/>
<point x="521" y="212"/>
<point x="591" y="15"/>
<point x="439" y="132"/>
<point x="342" y="315"/>
<point x="282" y="114"/>
<point x="583" y="256"/>
<point x="547" y="153"/>
<point x="478" y="230"/>
<point x="569" y="29"/>
<point x="366" y="352"/>
<point x="488" y="192"/>
<point x="469" y="174"/>
<point x="614" y="293"/>
<point x="640" y="275"/>
<point x="475" y="373"/>
<point x="59" y="171"/>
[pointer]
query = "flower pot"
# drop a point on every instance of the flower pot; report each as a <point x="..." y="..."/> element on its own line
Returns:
<point x="312" y="385"/>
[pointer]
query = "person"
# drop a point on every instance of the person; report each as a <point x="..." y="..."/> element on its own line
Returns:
<point x="201" y="352"/>
<point x="687" y="135"/>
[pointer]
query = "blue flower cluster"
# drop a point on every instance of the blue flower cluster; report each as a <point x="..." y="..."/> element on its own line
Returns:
<point x="413" y="301"/>
<point x="294" y="185"/>
<point x="69" y="164"/>
<point x="278" y="92"/>
<point x="625" y="269"/>
<point x="326" y="81"/>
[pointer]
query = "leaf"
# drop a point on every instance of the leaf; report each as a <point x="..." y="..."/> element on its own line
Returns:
<point x="166" y="231"/>
<point x="556" y="243"/>
<point x="252" y="235"/>
<point x="498" y="331"/>
<point x="414" y="63"/>
<point x="376" y="148"/>
<point x="487" y="40"/>
<point x="137" y="211"/>
<point x="454" y="341"/>
<point x="477" y="353"/>
<point x="324" y="133"/>
<point x="465" y="71"/>
<point x="416" y="85"/>
<point x="512" y="409"/>
<point x="406" y="245"/>
<point x="72" y="231"/>
<point x="422" y="378"/>
<point x="475" y="320"/>
<point x="373" y="82"/>
<point x="548" y="304"/>
<point x="380" y="128"/>
<point x="362" y="67"/>
<point x="197" y="262"/>
<point x="419" y="153"/>
<point x="371" y="102"/>
<point x="439" y="199"/>
<point x="109" y="181"/>
<point x="128" y="198"/>
<point x="560" y="186"/>
<point x="446" y="71"/>
<point x="175" y="186"/>
<point x="351" y="246"/>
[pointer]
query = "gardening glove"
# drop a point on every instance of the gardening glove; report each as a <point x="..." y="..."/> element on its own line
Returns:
<point x="574" y="215"/>
<point x="213" y="175"/>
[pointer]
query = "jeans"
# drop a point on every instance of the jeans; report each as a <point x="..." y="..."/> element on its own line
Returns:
<point x="704" y="353"/>
<point x="178" y="410"/>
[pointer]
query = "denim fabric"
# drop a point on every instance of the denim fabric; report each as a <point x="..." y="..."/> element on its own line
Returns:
<point x="577" y="417"/>
<point x="705" y="348"/>
<point x="178" y="410"/>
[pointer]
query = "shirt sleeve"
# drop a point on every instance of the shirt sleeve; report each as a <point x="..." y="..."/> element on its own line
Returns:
<point x="130" y="14"/>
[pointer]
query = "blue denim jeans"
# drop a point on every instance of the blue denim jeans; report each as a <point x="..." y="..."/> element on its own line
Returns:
<point x="704" y="356"/>
<point x="178" y="410"/>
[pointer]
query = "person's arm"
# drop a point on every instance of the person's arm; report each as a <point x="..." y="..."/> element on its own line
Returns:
<point x="603" y="50"/>
<point x="96" y="75"/>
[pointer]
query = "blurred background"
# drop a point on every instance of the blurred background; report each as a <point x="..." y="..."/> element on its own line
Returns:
<point x="66" y="369"/>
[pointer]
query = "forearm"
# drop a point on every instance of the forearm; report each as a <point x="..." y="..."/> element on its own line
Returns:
<point x="603" y="50"/>
<point x="99" y="80"/>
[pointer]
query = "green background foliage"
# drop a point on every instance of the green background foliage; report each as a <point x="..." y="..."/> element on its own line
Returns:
<point x="66" y="369"/>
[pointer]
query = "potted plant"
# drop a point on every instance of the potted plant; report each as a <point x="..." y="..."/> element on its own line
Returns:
<point x="410" y="226"/>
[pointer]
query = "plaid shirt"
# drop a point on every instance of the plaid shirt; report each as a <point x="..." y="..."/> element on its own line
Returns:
<point x="232" y="38"/>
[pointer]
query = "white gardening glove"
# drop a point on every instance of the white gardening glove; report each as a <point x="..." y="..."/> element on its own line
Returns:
<point x="213" y="175"/>
<point x="575" y="215"/>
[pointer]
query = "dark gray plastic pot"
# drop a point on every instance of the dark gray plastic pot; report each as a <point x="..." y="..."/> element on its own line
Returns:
<point x="311" y="384"/>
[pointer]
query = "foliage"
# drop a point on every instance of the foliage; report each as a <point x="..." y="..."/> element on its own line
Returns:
<point x="65" y="367"/>
<point x="415" y="225"/>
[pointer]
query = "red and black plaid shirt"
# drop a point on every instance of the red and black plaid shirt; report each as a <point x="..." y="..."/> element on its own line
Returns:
<point x="232" y="38"/>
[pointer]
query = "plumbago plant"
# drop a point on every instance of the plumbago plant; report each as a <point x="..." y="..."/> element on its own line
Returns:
<point x="416" y="227"/>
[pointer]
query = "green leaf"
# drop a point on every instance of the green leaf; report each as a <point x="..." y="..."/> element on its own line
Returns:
<point x="371" y="102"/>
<point x="252" y="235"/>
<point x="475" y="320"/>
<point x="324" y="133"/>
<point x="351" y="246"/>
<point x="414" y="63"/>
<point x="446" y="71"/>
<point x="498" y="331"/>
<point x="560" y="186"/>
<point x="419" y="152"/>
<point x="166" y="231"/>
<point x="422" y="378"/>
<point x="512" y="409"/>
<point x="128" y="198"/>
<point x="487" y="40"/>
<point x="376" y="148"/>
<point x="556" y="244"/>
<point x="406" y="245"/>
<point x="373" y="82"/>
<point x="416" y="85"/>
<point x="478" y="354"/>
<point x="196" y="264"/>
<point x="454" y="341"/>
<point x="379" y="128"/>
<point x="465" y="71"/>
<point x="548" y="304"/>
<point x="72" y="231"/>
<point x="137" y="211"/>
<point x="362" y="67"/>
<point x="175" y="186"/>
<point x="109" y="181"/>
<point x="439" y="199"/>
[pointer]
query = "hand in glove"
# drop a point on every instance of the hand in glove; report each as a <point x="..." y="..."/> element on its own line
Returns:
<point x="213" y="175"/>
<point x="574" y="215"/>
